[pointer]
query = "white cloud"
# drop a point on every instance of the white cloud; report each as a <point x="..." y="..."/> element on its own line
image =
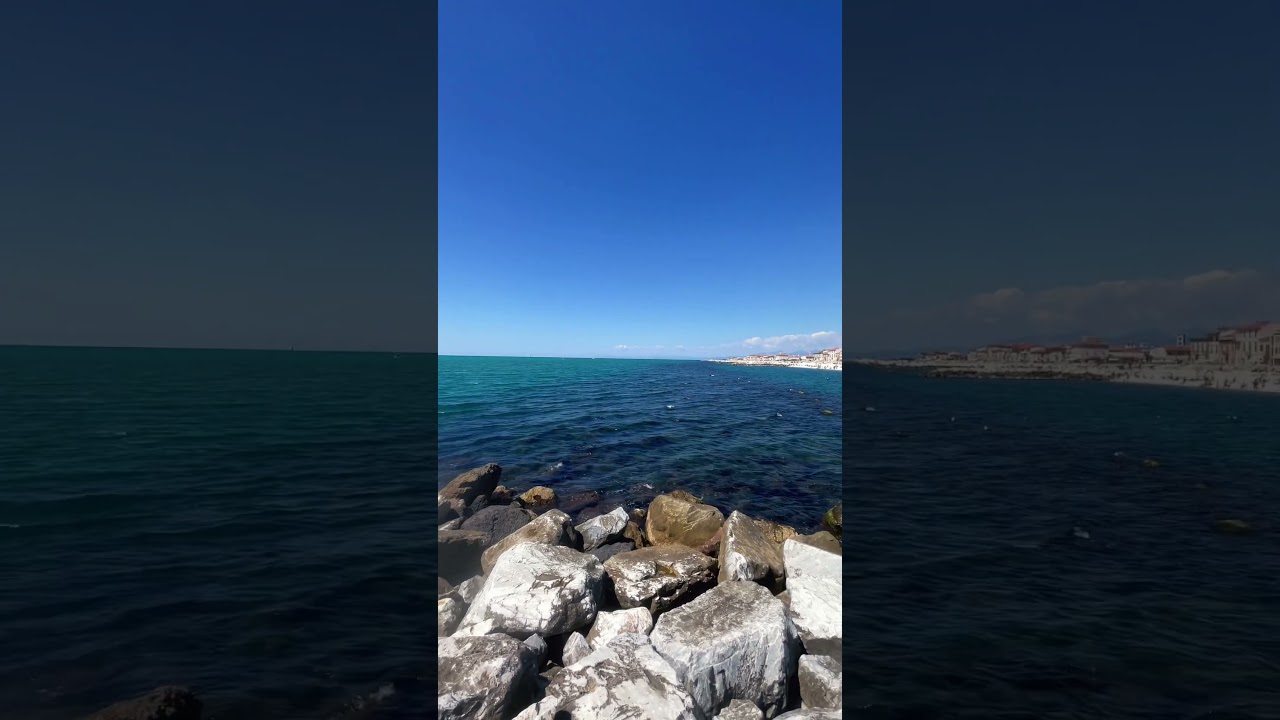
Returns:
<point x="789" y="343"/>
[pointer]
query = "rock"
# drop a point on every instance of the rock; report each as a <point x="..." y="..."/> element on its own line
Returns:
<point x="551" y="528"/>
<point x="468" y="590"/>
<point x="447" y="510"/>
<point x="740" y="710"/>
<point x="459" y="554"/>
<point x="712" y="546"/>
<point x="498" y="521"/>
<point x="449" y="613"/>
<point x="833" y="519"/>
<point x="732" y="642"/>
<point x="538" y="496"/>
<point x="483" y="678"/>
<point x="164" y="703"/>
<point x="625" y="680"/>
<point x="684" y="496"/>
<point x="807" y="714"/>
<point x="609" y="625"/>
<point x="535" y="588"/>
<point x="468" y="485"/>
<point x="581" y="502"/>
<point x="822" y="540"/>
<point x="1234" y="527"/>
<point x="785" y="597"/>
<point x="481" y="502"/>
<point x="752" y="549"/>
<point x="605" y="552"/>
<point x="820" y="682"/>
<point x="453" y="524"/>
<point x="638" y="515"/>
<point x="501" y="495"/>
<point x="443" y="587"/>
<point x="676" y="518"/>
<point x="576" y="647"/>
<point x="539" y="646"/>
<point x="635" y="535"/>
<point x="813" y="579"/>
<point x="603" y="529"/>
<point x="659" y="578"/>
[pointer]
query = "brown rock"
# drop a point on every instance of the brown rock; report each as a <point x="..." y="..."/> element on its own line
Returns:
<point x="551" y="528"/>
<point x="833" y="519"/>
<point x="538" y="496"/>
<point x="501" y="495"/>
<point x="468" y="485"/>
<point x="635" y="535"/>
<point x="459" y="554"/>
<point x="822" y="540"/>
<point x="673" y="519"/>
<point x="752" y="549"/>
<point x="712" y="546"/>
<point x="163" y="703"/>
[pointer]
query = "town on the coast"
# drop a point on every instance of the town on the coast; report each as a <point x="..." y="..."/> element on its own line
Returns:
<point x="829" y="359"/>
<point x="1244" y="357"/>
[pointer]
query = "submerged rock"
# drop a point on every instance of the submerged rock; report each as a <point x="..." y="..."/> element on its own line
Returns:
<point x="498" y="521"/>
<point x="821" y="680"/>
<point x="659" y="578"/>
<point x="164" y="703"/>
<point x="609" y="625"/>
<point x="484" y="678"/>
<point x="677" y="518"/>
<point x="833" y="519"/>
<point x="576" y="647"/>
<point x="740" y="710"/>
<point x="539" y="496"/>
<point x="752" y="549"/>
<point x="449" y="613"/>
<point x="459" y="553"/>
<point x="732" y="642"/>
<point x="814" y="582"/>
<point x="535" y="588"/>
<point x="551" y="528"/>
<point x="603" y="529"/>
<point x="471" y="484"/>
<point x="1234" y="527"/>
<point x="625" y="680"/>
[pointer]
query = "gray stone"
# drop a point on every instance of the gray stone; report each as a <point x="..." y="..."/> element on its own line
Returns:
<point x="604" y="552"/>
<point x="468" y="590"/>
<point x="534" y="588"/>
<point x="740" y="710"/>
<point x="659" y="578"/>
<point x="752" y="549"/>
<point x="603" y="529"/>
<point x="539" y="647"/>
<point x="498" y="521"/>
<point x="551" y="528"/>
<point x="814" y="582"/>
<point x="625" y="680"/>
<point x="454" y="524"/>
<point x="459" y="554"/>
<point x="821" y="679"/>
<point x="732" y="642"/>
<point x="609" y="625"/>
<point x="163" y="703"/>
<point x="484" y="678"/>
<point x="471" y="484"/>
<point x="576" y="647"/>
<point x="449" y="613"/>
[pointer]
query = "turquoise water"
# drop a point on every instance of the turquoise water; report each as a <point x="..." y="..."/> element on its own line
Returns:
<point x="249" y="524"/>
<point x="747" y="438"/>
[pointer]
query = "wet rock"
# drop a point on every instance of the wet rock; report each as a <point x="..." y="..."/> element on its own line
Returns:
<point x="609" y="625"/>
<point x="1234" y="527"/>
<point x="163" y="703"/>
<point x="752" y="549"/>
<point x="659" y="578"/>
<point x="677" y="518"/>
<point x="498" y="521"/>
<point x="732" y="642"/>
<point x="740" y="710"/>
<point x="822" y="540"/>
<point x="635" y="535"/>
<point x="551" y="528"/>
<point x="576" y="647"/>
<point x="449" y="613"/>
<point x="582" y="502"/>
<point x="833" y="519"/>
<point x="626" y="679"/>
<point x="603" y="529"/>
<point x="820" y="682"/>
<point x="454" y="524"/>
<point x="470" y="484"/>
<point x="809" y="714"/>
<point x="484" y="678"/>
<point x="467" y="591"/>
<point x="605" y="552"/>
<point x="459" y="554"/>
<point x="535" y="588"/>
<point x="538" y="496"/>
<point x="813" y="579"/>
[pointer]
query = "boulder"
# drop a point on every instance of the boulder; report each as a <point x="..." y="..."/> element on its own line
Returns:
<point x="539" y="646"/>
<point x="538" y="497"/>
<point x="807" y="714"/>
<point x="468" y="590"/>
<point x="609" y="625"/>
<point x="822" y="540"/>
<point x="163" y="703"/>
<point x="449" y="613"/>
<point x="447" y="510"/>
<point x="625" y="680"/>
<point x="820" y="682"/>
<point x="501" y="495"/>
<point x="712" y="546"/>
<point x="740" y="710"/>
<point x="484" y="678"/>
<point x="551" y="528"/>
<point x="470" y="484"/>
<point x="498" y="521"/>
<point x="732" y="642"/>
<point x="453" y="524"/>
<point x="443" y="587"/>
<point x="535" y="588"/>
<point x="576" y="647"/>
<point x="479" y="503"/>
<point x="459" y="554"/>
<point x="659" y="578"/>
<point x="635" y="534"/>
<point x="833" y="519"/>
<point x="605" y="552"/>
<point x="814" y="582"/>
<point x="785" y="597"/>
<point x="752" y="549"/>
<point x="603" y="529"/>
<point x="677" y="518"/>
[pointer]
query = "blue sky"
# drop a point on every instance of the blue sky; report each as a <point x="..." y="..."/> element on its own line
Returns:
<point x="639" y="179"/>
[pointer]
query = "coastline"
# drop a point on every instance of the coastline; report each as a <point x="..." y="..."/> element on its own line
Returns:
<point x="802" y="365"/>
<point x="1190" y="376"/>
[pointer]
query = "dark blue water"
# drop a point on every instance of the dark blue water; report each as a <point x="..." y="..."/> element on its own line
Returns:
<point x="748" y="438"/>
<point x="249" y="524"/>
<point x="1010" y="564"/>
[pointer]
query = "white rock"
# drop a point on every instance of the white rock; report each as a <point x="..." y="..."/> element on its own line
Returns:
<point x="609" y="625"/>
<point x="732" y="642"/>
<point x="740" y="710"/>
<point x="659" y="577"/>
<point x="821" y="679"/>
<point x="470" y="589"/>
<point x="814" y="583"/>
<point x="534" y="588"/>
<point x="576" y="647"/>
<point x="624" y="680"/>
<point x="551" y="528"/>
<point x="603" y="529"/>
<point x="448" y="614"/>
<point x="483" y="678"/>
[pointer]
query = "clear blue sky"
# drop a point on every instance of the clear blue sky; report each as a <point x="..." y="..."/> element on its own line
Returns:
<point x="664" y="176"/>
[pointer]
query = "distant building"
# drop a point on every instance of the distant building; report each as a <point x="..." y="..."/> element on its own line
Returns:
<point x="1126" y="354"/>
<point x="1089" y="351"/>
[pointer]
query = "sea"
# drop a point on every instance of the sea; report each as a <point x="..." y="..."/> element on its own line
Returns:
<point x="248" y="524"/>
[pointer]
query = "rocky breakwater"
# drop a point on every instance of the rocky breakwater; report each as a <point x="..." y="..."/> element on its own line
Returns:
<point x="673" y="611"/>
